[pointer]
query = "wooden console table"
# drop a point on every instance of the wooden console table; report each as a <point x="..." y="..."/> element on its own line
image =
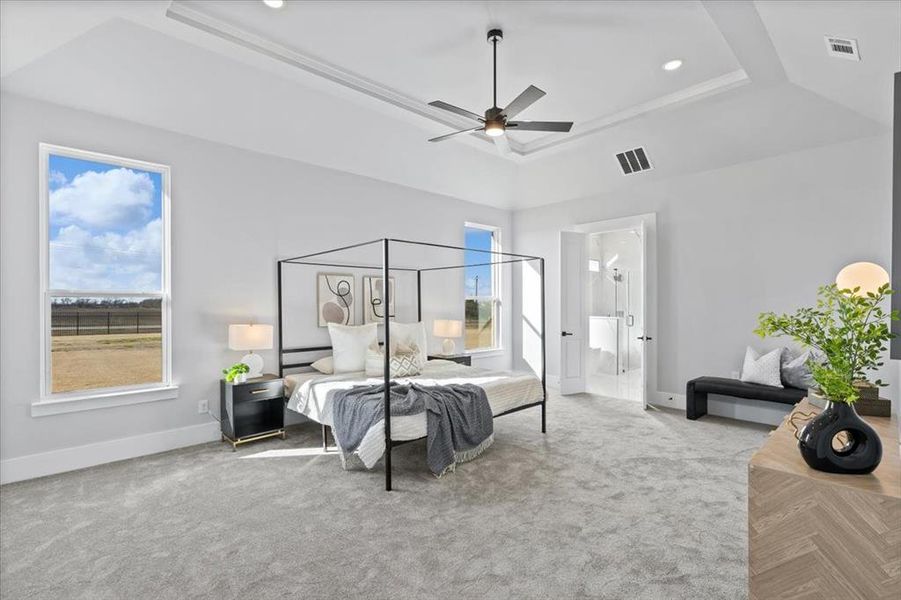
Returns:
<point x="822" y="535"/>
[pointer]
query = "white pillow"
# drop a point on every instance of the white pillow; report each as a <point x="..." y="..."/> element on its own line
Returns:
<point x="765" y="369"/>
<point x="375" y="361"/>
<point x="349" y="344"/>
<point x="411" y="334"/>
<point x="324" y="365"/>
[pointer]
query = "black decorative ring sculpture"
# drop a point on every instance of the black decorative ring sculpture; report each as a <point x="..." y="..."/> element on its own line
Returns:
<point x="860" y="449"/>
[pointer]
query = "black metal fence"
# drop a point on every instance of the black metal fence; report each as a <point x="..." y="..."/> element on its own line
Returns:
<point x="104" y="322"/>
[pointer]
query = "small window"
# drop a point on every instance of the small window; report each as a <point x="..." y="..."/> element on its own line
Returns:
<point x="482" y="285"/>
<point x="105" y="279"/>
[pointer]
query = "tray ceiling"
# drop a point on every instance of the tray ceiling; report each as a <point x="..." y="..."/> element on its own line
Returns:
<point x="599" y="62"/>
<point x="344" y="85"/>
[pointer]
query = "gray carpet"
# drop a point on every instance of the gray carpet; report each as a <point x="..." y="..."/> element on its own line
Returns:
<point x="614" y="502"/>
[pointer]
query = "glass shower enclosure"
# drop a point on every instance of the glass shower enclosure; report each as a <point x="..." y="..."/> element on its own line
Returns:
<point x="615" y="303"/>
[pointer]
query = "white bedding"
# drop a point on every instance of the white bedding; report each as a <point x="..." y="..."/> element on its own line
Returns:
<point x="504" y="390"/>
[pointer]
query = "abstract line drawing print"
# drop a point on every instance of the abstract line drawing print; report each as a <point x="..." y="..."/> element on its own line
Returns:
<point x="335" y="298"/>
<point x="373" y="300"/>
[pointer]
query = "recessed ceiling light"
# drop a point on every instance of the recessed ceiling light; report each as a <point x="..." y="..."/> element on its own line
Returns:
<point x="274" y="3"/>
<point x="672" y="65"/>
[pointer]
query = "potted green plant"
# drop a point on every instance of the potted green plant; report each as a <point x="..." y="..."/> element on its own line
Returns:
<point x="237" y="373"/>
<point x="848" y="330"/>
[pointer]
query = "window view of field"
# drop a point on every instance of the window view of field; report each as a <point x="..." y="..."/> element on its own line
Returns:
<point x="479" y="324"/>
<point x="100" y="343"/>
<point x="479" y="309"/>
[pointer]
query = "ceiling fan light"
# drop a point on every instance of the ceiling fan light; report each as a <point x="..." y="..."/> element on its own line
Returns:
<point x="494" y="128"/>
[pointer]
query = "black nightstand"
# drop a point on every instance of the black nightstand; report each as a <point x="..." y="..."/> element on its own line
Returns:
<point x="252" y="410"/>
<point x="463" y="359"/>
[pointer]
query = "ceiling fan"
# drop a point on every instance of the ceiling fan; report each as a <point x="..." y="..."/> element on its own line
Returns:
<point x="495" y="122"/>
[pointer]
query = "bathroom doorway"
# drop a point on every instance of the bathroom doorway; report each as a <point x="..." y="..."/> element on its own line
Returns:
<point x="608" y="308"/>
<point x="615" y="314"/>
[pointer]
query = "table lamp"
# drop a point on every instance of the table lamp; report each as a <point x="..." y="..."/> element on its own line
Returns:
<point x="869" y="277"/>
<point x="448" y="329"/>
<point x="251" y="337"/>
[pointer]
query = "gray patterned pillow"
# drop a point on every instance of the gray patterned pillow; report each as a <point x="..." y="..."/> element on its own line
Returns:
<point x="795" y="372"/>
<point x="762" y="369"/>
<point x="405" y="361"/>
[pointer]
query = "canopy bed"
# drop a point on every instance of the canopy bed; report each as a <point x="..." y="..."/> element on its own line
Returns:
<point x="312" y="393"/>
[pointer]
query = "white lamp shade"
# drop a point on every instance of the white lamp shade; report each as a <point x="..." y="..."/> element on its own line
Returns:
<point x="869" y="277"/>
<point x="250" y="337"/>
<point x="447" y="328"/>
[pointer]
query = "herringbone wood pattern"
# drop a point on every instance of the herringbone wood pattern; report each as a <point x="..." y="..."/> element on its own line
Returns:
<point x="812" y="540"/>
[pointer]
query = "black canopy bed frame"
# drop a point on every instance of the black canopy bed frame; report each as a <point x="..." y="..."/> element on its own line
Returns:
<point x="495" y="258"/>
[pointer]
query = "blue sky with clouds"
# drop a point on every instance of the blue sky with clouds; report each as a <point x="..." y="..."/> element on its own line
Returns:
<point x="105" y="226"/>
<point x="479" y="239"/>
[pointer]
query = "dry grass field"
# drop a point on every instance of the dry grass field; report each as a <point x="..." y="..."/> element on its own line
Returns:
<point x="479" y="335"/>
<point x="98" y="361"/>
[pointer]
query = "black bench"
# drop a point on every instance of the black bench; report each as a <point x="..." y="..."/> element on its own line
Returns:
<point x="697" y="389"/>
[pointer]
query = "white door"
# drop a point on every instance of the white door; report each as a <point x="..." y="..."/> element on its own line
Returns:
<point x="643" y="336"/>
<point x="573" y="311"/>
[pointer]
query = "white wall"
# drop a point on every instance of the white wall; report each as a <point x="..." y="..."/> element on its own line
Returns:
<point x="734" y="242"/>
<point x="234" y="212"/>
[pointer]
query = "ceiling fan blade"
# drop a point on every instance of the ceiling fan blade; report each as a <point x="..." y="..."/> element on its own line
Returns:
<point x="441" y="138"/>
<point x="503" y="145"/>
<point x="456" y="109"/>
<point x="562" y="126"/>
<point x="528" y="97"/>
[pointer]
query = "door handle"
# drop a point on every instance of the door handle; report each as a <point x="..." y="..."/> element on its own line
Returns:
<point x="566" y="333"/>
<point x="644" y="338"/>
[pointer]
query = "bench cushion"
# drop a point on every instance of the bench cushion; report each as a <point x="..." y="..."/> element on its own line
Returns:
<point x="741" y="389"/>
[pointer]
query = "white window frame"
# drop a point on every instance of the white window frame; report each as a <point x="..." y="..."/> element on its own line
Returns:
<point x="496" y="289"/>
<point x="63" y="402"/>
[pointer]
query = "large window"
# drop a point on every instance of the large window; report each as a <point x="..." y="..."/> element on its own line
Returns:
<point x="105" y="280"/>
<point x="482" y="283"/>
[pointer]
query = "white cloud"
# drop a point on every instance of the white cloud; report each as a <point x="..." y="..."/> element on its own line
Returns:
<point x="58" y="179"/>
<point x="117" y="199"/>
<point x="81" y="260"/>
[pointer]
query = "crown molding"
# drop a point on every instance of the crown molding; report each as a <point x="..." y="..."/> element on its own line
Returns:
<point x="311" y="64"/>
<point x="518" y="150"/>
<point x="701" y="90"/>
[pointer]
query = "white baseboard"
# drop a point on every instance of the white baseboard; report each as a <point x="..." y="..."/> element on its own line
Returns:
<point x="89" y="455"/>
<point x="668" y="400"/>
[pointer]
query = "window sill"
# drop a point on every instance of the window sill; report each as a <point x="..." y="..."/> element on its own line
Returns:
<point x="77" y="403"/>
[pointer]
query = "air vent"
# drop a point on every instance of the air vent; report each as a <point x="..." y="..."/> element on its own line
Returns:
<point x="842" y="48"/>
<point x="633" y="161"/>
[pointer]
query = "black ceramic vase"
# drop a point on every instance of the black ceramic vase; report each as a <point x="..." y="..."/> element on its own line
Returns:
<point x="857" y="452"/>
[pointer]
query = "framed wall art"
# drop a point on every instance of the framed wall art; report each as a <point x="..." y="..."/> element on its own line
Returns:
<point x="373" y="304"/>
<point x="335" y="298"/>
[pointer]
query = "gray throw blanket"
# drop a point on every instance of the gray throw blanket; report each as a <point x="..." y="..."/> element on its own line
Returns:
<point x="459" y="422"/>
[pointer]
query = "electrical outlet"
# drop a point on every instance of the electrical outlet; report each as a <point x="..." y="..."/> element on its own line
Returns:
<point x="203" y="407"/>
